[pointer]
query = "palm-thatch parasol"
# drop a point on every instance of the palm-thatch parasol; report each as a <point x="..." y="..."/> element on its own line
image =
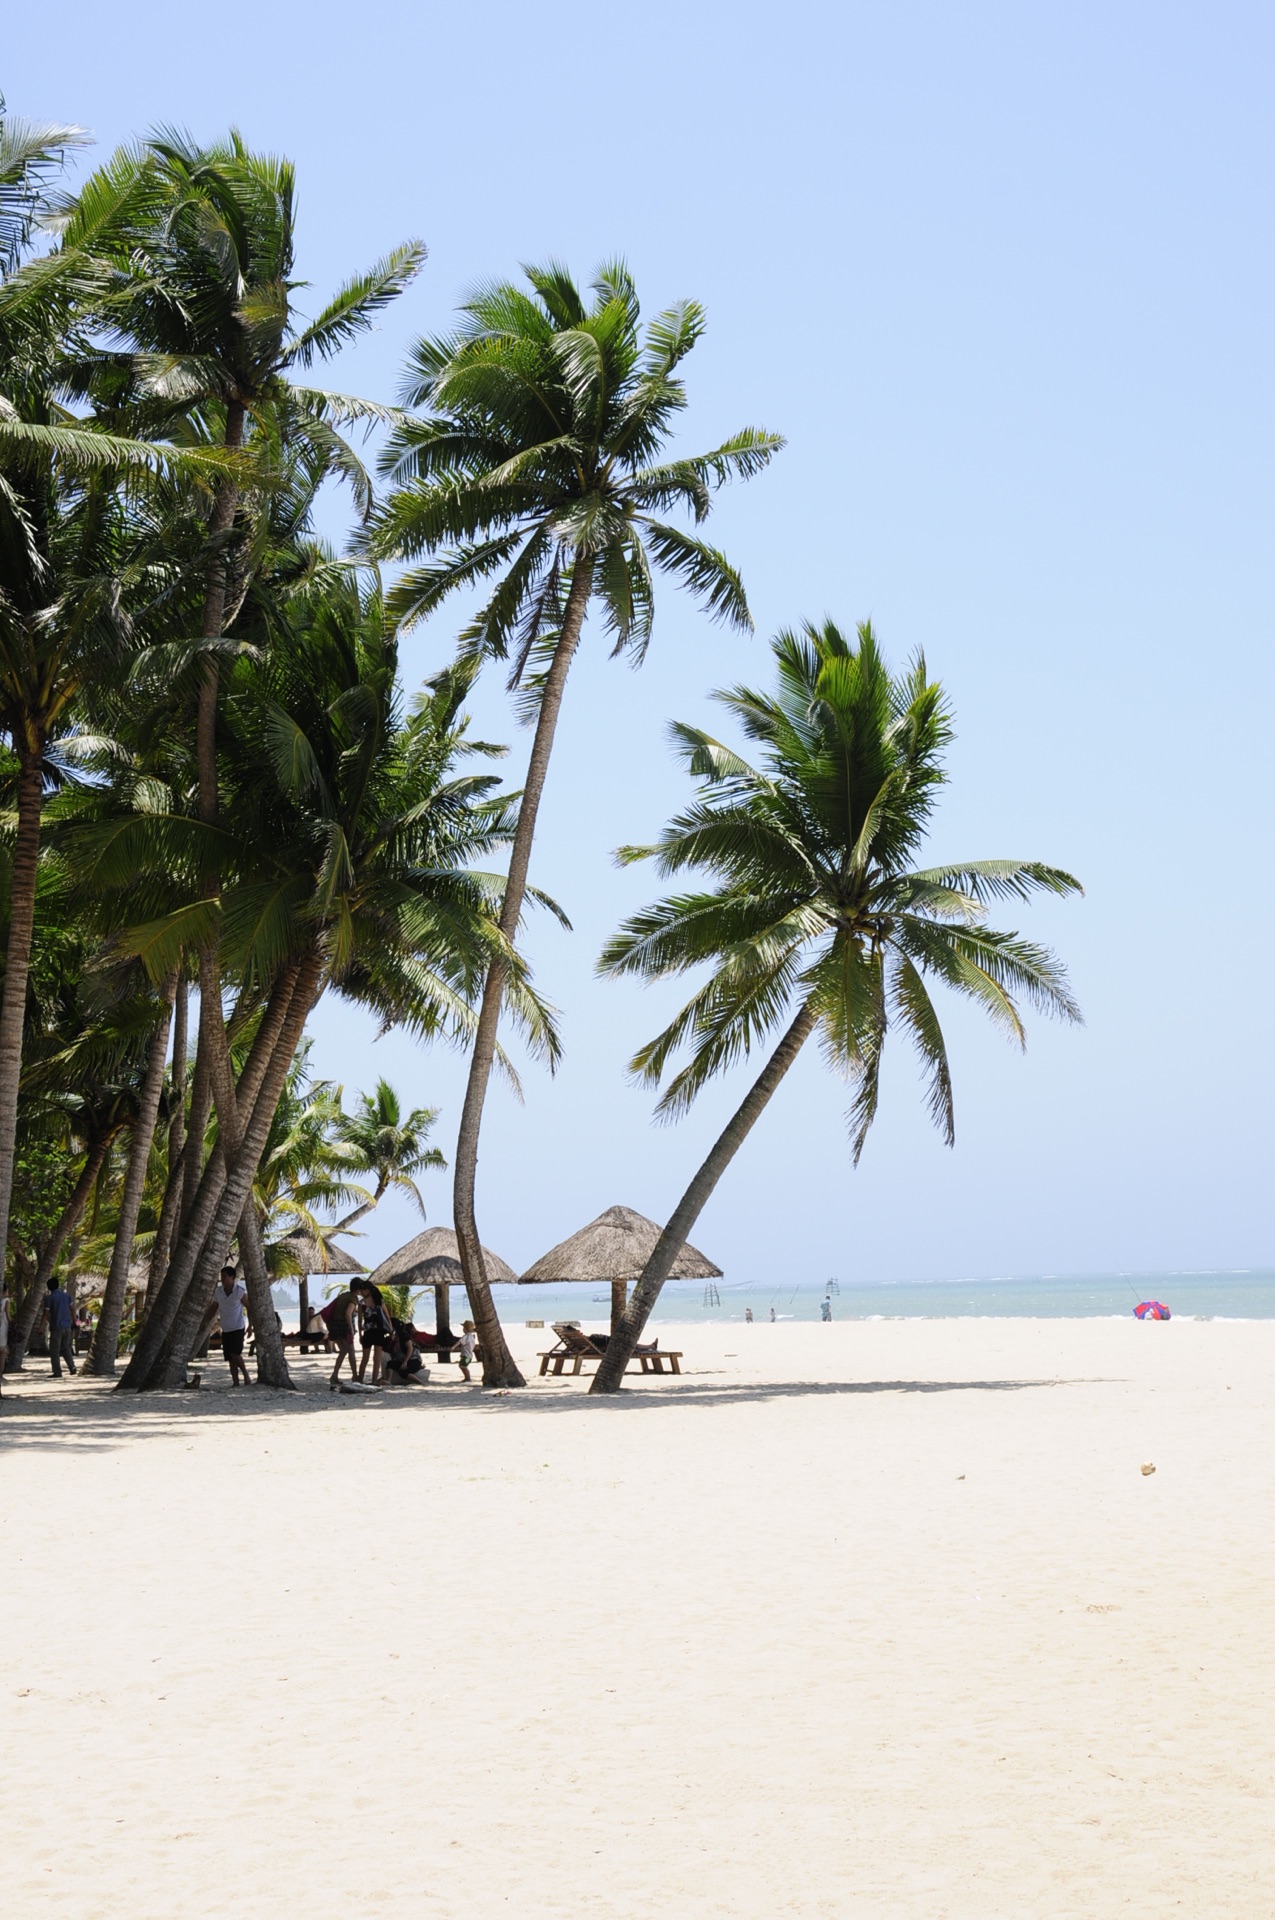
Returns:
<point x="615" y="1247"/>
<point x="303" y="1255"/>
<point x="89" y="1286"/>
<point x="432" y="1259"/>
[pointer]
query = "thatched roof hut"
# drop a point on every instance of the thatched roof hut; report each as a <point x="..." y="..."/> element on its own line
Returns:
<point x="303" y="1254"/>
<point x="614" y="1248"/>
<point x="432" y="1259"/>
<point x="89" y="1286"/>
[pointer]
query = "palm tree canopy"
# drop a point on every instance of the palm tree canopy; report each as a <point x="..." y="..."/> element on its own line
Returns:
<point x="347" y="820"/>
<point x="816" y="895"/>
<point x="541" y="438"/>
<point x="379" y="1138"/>
<point x="205" y="298"/>
<point x="32" y="154"/>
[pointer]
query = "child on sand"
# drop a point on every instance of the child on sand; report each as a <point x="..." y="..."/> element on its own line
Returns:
<point x="465" y="1349"/>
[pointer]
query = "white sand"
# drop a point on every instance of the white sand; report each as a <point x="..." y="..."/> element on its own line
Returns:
<point x="870" y="1619"/>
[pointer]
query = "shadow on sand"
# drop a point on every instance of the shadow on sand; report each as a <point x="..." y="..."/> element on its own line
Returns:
<point x="89" y="1417"/>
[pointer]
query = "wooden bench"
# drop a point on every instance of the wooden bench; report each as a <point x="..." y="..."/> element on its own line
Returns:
<point x="578" y="1347"/>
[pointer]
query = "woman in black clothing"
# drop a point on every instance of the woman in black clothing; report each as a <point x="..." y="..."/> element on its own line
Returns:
<point x="375" y="1329"/>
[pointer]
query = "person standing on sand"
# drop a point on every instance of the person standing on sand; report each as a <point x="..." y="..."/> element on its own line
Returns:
<point x="338" y="1318"/>
<point x="231" y="1296"/>
<point x="466" y="1346"/>
<point x="376" y="1329"/>
<point x="748" y="1316"/>
<point x="4" y="1333"/>
<point x="772" y="1316"/>
<point x="58" y="1308"/>
<point x="825" y="1308"/>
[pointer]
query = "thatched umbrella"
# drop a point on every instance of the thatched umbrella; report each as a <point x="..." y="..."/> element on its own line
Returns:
<point x="91" y="1286"/>
<point x="306" y="1255"/>
<point x="615" y="1247"/>
<point x="432" y="1259"/>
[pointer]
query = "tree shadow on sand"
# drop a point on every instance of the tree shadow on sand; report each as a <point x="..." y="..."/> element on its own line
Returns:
<point x="93" y="1419"/>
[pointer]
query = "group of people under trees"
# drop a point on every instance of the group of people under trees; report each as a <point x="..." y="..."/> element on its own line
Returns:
<point x="60" y="1322"/>
<point x="360" y="1315"/>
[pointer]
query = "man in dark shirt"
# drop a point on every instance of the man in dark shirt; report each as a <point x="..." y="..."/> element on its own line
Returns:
<point x="58" y="1307"/>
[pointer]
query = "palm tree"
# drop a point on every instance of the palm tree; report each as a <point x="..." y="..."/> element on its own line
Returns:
<point x="817" y="903"/>
<point x="205" y="315"/>
<point x="380" y="1139"/>
<point x="347" y="845"/>
<point x="65" y="526"/>
<point x="106" y="1335"/>
<point x="205" y="311"/>
<point x="313" y="1149"/>
<point x="538" y="459"/>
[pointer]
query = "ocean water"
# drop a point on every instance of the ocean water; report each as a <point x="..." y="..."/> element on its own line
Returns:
<point x="1239" y="1295"/>
<point x="1222" y="1296"/>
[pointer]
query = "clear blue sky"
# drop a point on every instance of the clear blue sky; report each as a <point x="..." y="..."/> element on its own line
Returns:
<point x="1003" y="276"/>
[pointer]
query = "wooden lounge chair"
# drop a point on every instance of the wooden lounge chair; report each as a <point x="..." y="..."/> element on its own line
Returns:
<point x="577" y="1347"/>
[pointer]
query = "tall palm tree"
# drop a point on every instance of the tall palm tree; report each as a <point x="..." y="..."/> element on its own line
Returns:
<point x="347" y="845"/>
<point x="65" y="523"/>
<point x="539" y="459"/>
<point x="817" y="906"/>
<point x="106" y="1334"/>
<point x="210" y="339"/>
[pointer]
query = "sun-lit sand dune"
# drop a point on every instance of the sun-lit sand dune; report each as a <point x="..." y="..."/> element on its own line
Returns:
<point x="869" y="1619"/>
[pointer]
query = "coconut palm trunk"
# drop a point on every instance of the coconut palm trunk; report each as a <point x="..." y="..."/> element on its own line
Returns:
<point x="169" y="1369"/>
<point x="681" y="1224"/>
<point x="106" y="1335"/>
<point x="219" y="527"/>
<point x="499" y="1367"/>
<point x="198" y="1215"/>
<point x="173" y="1186"/>
<point x="272" y="1358"/>
<point x="196" y="1130"/>
<point x="272" y="1365"/>
<point x="26" y="860"/>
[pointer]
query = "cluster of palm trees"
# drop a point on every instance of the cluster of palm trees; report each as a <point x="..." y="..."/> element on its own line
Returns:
<point x="218" y="784"/>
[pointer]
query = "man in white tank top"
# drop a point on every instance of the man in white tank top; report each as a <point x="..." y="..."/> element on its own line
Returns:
<point x="232" y="1299"/>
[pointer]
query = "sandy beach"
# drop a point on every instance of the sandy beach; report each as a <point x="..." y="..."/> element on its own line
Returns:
<point x="870" y="1619"/>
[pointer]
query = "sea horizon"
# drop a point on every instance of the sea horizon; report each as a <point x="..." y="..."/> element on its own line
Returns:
<point x="1234" y="1293"/>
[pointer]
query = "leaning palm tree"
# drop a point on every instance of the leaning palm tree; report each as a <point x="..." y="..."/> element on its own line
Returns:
<point x="380" y="1139"/>
<point x="538" y="462"/>
<point x="347" y="851"/>
<point x="818" y="907"/>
